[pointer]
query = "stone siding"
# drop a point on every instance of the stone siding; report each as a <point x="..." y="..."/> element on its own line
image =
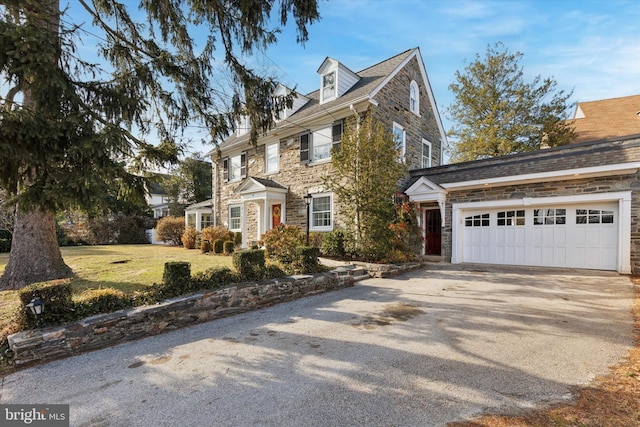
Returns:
<point x="37" y="346"/>
<point x="393" y="105"/>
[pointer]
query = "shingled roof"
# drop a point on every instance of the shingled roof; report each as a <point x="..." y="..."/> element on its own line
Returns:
<point x="370" y="79"/>
<point x="607" y="118"/>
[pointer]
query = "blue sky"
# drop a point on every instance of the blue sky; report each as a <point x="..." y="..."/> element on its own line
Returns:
<point x="590" y="47"/>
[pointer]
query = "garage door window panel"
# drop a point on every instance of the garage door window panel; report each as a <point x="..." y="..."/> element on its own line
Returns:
<point x="594" y="216"/>
<point x="511" y="218"/>
<point x="481" y="220"/>
<point x="549" y="216"/>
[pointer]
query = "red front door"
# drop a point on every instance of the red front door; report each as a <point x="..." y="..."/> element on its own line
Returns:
<point x="433" y="232"/>
<point x="276" y="214"/>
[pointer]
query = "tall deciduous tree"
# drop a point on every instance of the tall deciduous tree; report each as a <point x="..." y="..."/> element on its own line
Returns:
<point x="190" y="182"/>
<point x="496" y="112"/>
<point x="366" y="173"/>
<point x="70" y="126"/>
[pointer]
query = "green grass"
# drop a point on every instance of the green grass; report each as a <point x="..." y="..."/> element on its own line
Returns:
<point x="124" y="267"/>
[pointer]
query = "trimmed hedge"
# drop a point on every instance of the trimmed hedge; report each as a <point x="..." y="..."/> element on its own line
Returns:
<point x="96" y="301"/>
<point x="205" y="246"/>
<point x="249" y="263"/>
<point x="229" y="247"/>
<point x="218" y="246"/>
<point x="59" y="307"/>
<point x="306" y="259"/>
<point x="333" y="244"/>
<point x="176" y="280"/>
<point x="213" y="278"/>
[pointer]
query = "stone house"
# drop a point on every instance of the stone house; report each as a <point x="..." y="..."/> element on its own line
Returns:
<point x="573" y="206"/>
<point x="255" y="188"/>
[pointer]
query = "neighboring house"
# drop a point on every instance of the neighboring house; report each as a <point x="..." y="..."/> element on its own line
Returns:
<point x="258" y="187"/>
<point x="571" y="206"/>
<point x="607" y="118"/>
<point x="157" y="200"/>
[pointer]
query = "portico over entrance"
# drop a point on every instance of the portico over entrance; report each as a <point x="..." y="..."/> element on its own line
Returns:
<point x="263" y="204"/>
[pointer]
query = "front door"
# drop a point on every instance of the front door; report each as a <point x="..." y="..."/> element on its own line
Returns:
<point x="433" y="223"/>
<point x="276" y="214"/>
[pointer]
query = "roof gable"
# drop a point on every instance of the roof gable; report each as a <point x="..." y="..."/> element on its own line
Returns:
<point x="607" y="118"/>
<point x="370" y="81"/>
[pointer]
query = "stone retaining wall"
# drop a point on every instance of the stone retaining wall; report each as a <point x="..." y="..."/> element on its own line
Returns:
<point x="104" y="330"/>
<point x="388" y="270"/>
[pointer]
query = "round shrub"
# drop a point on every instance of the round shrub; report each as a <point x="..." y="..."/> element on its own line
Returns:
<point x="218" y="246"/>
<point x="205" y="246"/>
<point x="170" y="230"/>
<point x="229" y="247"/>
<point x="333" y="244"/>
<point x="281" y="241"/>
<point x="214" y="233"/>
<point x="189" y="237"/>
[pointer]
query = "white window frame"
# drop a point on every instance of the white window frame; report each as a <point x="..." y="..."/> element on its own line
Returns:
<point x="402" y="144"/>
<point x="426" y="157"/>
<point x="414" y="98"/>
<point x="239" y="218"/>
<point x="235" y="171"/>
<point x="205" y="224"/>
<point x="313" y="227"/>
<point x="321" y="139"/>
<point x="274" y="156"/>
<point x="325" y="86"/>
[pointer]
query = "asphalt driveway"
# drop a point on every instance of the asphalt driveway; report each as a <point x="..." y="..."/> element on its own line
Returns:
<point x="423" y="349"/>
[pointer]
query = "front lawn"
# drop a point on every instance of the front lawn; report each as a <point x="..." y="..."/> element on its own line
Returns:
<point x="124" y="267"/>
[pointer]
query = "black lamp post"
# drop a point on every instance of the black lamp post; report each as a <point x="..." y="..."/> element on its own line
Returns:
<point x="307" y="200"/>
<point x="37" y="308"/>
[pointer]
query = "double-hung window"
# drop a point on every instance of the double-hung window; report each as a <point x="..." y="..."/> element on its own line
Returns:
<point x="234" y="167"/>
<point x="399" y="139"/>
<point x="321" y="212"/>
<point x="316" y="146"/>
<point x="426" y="154"/>
<point x="272" y="157"/>
<point x="235" y="218"/>
<point x="329" y="86"/>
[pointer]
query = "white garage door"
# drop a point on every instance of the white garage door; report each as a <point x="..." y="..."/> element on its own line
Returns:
<point x="576" y="236"/>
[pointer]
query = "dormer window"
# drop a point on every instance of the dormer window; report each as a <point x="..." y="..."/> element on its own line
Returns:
<point x="329" y="86"/>
<point x="414" y="98"/>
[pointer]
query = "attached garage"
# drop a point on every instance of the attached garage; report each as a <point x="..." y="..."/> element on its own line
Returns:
<point x="583" y="235"/>
<point x="575" y="206"/>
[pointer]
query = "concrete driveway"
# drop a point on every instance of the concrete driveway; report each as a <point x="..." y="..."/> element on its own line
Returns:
<point x="430" y="347"/>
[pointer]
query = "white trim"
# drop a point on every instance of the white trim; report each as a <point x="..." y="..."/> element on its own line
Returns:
<point x="624" y="212"/>
<point x="266" y="157"/>
<point x="414" y="86"/>
<point x="578" y="173"/>
<point x="395" y="126"/>
<point x="426" y="142"/>
<point x="323" y="228"/>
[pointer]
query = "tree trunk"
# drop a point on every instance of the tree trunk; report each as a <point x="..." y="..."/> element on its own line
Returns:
<point x="35" y="255"/>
